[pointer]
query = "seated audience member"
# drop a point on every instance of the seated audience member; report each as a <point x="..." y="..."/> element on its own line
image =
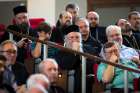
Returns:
<point x="15" y="73"/>
<point x="134" y="19"/>
<point x="38" y="79"/>
<point x="97" y="31"/>
<point x="49" y="68"/>
<point x="22" y="25"/>
<point x="74" y="10"/>
<point x="44" y="31"/>
<point x="70" y="61"/>
<point x="130" y="39"/>
<point x="112" y="76"/>
<point x="90" y="45"/>
<point x="113" y="33"/>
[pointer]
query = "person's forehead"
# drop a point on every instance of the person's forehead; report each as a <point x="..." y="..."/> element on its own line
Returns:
<point x="122" y="21"/>
<point x="67" y="14"/>
<point x="92" y="14"/>
<point x="9" y="46"/>
<point x="114" y="31"/>
<point x="74" y="34"/>
<point x="22" y="14"/>
<point x="50" y="64"/>
<point x="72" y="9"/>
<point x="112" y="47"/>
<point x="134" y="15"/>
<point x="82" y="22"/>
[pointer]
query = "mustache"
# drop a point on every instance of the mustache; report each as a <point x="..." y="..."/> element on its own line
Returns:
<point x="68" y="22"/>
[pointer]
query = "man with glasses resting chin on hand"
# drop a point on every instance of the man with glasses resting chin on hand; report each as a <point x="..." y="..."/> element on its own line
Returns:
<point x="112" y="76"/>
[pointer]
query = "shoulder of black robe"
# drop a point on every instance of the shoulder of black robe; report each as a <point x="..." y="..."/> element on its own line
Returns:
<point x="20" y="73"/>
<point x="16" y="28"/>
<point x="67" y="61"/>
<point x="4" y="37"/>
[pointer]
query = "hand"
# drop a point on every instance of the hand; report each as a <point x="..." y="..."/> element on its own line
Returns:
<point x="76" y="46"/>
<point x="113" y="58"/>
<point x="23" y="42"/>
<point x="136" y="60"/>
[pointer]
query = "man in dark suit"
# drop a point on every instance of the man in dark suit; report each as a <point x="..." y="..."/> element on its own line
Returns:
<point x="90" y="45"/>
<point x="98" y="32"/>
<point x="15" y="73"/>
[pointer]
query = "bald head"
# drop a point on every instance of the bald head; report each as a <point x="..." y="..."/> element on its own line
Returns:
<point x="93" y="18"/>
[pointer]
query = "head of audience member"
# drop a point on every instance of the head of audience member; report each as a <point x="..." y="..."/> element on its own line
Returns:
<point x="114" y="34"/>
<point x="84" y="28"/>
<point x="73" y="38"/>
<point x="38" y="79"/>
<point x="109" y="50"/>
<point x="44" y="31"/>
<point x="134" y="19"/>
<point x="49" y="68"/>
<point x="37" y="89"/>
<point x="73" y="9"/>
<point x="125" y="26"/>
<point x="121" y="23"/>
<point x="93" y="18"/>
<point x="8" y="48"/>
<point x="65" y="19"/>
<point x="21" y="16"/>
<point x="127" y="30"/>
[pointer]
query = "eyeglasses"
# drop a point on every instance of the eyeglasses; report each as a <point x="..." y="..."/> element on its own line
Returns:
<point x="10" y="51"/>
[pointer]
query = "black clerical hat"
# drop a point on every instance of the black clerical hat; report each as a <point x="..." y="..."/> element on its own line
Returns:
<point x="19" y="9"/>
<point x="71" y="28"/>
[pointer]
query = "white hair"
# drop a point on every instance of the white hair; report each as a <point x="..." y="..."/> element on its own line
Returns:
<point x="111" y="28"/>
<point x="66" y="44"/>
<point x="39" y="87"/>
<point x="41" y="65"/>
<point x="35" y="78"/>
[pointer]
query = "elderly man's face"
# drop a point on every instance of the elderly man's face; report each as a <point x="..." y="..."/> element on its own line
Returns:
<point x="10" y="52"/>
<point x="73" y="37"/>
<point x="115" y="36"/>
<point x="66" y="19"/>
<point x="21" y="18"/>
<point x="51" y="71"/>
<point x="93" y="19"/>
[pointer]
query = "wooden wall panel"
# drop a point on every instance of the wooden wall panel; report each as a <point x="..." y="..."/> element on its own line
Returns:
<point x="111" y="3"/>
